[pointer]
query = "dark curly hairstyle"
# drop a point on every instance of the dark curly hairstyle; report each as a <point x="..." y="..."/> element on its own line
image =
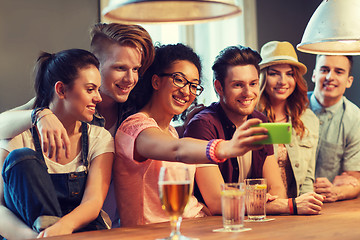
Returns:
<point x="165" y="56"/>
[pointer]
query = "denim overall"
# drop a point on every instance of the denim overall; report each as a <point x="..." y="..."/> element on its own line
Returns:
<point x="38" y="198"/>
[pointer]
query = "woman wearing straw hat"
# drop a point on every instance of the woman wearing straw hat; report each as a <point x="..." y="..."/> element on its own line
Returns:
<point x="284" y="99"/>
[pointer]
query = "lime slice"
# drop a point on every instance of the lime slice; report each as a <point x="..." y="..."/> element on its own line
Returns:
<point x="260" y="186"/>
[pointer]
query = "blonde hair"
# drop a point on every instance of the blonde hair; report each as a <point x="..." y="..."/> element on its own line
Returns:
<point x="103" y="35"/>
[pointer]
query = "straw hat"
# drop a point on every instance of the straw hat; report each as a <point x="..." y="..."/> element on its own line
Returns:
<point x="276" y="52"/>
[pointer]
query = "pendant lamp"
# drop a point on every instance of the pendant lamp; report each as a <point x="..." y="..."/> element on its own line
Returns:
<point x="333" y="29"/>
<point x="169" y="11"/>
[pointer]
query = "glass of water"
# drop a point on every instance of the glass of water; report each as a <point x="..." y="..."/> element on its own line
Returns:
<point x="233" y="206"/>
<point x="256" y="199"/>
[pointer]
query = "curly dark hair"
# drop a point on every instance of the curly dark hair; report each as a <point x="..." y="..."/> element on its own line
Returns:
<point x="165" y="56"/>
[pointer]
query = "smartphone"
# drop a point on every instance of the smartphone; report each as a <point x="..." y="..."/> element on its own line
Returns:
<point x="279" y="133"/>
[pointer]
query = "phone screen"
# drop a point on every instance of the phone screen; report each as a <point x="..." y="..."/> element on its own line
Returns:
<point x="279" y="133"/>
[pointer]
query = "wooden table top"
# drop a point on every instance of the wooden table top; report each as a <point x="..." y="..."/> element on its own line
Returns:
<point x="339" y="220"/>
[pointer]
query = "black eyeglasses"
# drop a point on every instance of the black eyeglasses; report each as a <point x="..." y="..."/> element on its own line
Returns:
<point x="181" y="81"/>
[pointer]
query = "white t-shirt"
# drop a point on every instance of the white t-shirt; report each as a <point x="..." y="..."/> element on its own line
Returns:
<point x="100" y="141"/>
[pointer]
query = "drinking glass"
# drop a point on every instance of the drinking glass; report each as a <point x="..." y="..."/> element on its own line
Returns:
<point x="174" y="190"/>
<point x="256" y="199"/>
<point x="233" y="206"/>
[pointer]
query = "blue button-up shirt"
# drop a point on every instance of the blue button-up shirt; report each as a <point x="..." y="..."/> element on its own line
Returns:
<point x="339" y="138"/>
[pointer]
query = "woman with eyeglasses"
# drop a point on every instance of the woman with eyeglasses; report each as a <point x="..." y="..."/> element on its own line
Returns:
<point x="146" y="141"/>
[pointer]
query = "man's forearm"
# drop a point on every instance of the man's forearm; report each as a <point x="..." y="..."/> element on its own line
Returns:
<point x="13" y="123"/>
<point x="347" y="185"/>
<point x="347" y="191"/>
<point x="278" y="206"/>
<point x="16" y="121"/>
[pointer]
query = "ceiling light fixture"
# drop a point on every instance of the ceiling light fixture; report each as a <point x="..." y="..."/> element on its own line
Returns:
<point x="169" y="11"/>
<point x="333" y="29"/>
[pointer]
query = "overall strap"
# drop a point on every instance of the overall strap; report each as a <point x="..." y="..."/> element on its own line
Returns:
<point x="37" y="143"/>
<point x="84" y="143"/>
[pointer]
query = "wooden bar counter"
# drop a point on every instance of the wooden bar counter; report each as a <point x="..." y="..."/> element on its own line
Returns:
<point x="339" y="220"/>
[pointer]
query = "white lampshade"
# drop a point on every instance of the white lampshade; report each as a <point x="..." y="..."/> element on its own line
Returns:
<point x="169" y="11"/>
<point x="333" y="29"/>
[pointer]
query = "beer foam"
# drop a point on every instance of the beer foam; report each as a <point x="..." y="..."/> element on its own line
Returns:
<point x="173" y="182"/>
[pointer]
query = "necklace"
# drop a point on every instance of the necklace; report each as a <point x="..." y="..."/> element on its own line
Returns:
<point x="284" y="119"/>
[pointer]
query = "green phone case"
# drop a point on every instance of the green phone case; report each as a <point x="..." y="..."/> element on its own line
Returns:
<point x="279" y="133"/>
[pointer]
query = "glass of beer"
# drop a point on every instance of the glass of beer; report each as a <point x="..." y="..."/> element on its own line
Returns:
<point x="174" y="190"/>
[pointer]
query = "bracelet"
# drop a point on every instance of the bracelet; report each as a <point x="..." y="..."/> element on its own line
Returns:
<point x="34" y="115"/>
<point x="210" y="151"/>
<point x="294" y="206"/>
<point x="38" y="119"/>
<point x="291" y="207"/>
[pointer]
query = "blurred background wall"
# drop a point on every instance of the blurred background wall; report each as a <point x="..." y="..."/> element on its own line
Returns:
<point x="28" y="27"/>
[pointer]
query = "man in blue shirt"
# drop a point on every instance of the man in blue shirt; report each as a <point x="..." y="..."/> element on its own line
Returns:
<point x="338" y="153"/>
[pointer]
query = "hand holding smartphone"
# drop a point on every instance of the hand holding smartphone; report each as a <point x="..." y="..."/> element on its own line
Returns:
<point x="279" y="133"/>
